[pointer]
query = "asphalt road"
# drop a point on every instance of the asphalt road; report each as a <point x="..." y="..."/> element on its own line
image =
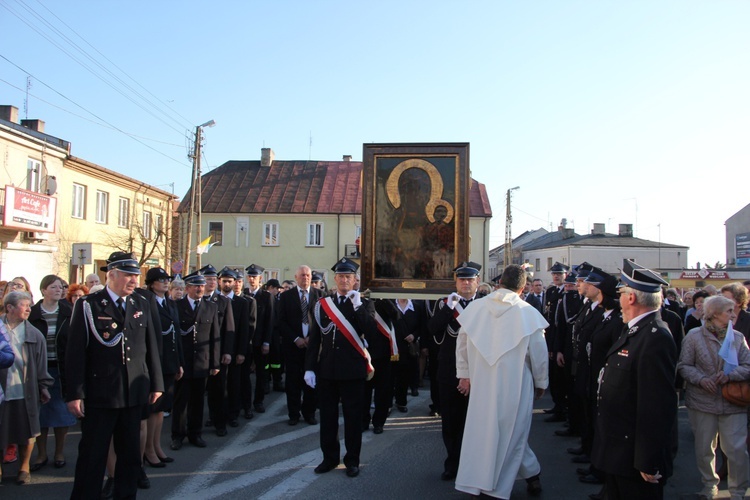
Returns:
<point x="265" y="458"/>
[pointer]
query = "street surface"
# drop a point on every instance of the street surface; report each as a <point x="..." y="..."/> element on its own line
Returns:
<point x="265" y="458"/>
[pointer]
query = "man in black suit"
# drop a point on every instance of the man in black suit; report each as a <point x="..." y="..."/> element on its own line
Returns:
<point x="637" y="401"/>
<point x="113" y="370"/>
<point x="293" y="314"/>
<point x="199" y="328"/>
<point x="216" y="387"/>
<point x="243" y="310"/>
<point x="337" y="363"/>
<point x="443" y="327"/>
<point x="261" y="338"/>
<point x="536" y="295"/>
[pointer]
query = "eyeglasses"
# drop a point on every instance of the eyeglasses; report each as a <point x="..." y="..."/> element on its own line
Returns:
<point x="163" y="280"/>
<point x="16" y="285"/>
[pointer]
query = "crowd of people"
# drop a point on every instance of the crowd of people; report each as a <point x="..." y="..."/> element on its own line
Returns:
<point x="616" y="354"/>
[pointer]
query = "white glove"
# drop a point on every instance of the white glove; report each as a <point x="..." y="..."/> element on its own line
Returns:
<point x="353" y="295"/>
<point x="453" y="300"/>
<point x="310" y="378"/>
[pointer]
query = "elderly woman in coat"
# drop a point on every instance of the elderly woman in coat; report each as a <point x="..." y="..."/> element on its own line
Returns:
<point x="25" y="384"/>
<point x="712" y="416"/>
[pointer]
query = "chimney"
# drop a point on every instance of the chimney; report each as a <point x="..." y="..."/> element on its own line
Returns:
<point x="563" y="225"/>
<point x="37" y="125"/>
<point x="266" y="157"/>
<point x="598" y="228"/>
<point x="9" y="113"/>
<point x="347" y="158"/>
<point x="626" y="230"/>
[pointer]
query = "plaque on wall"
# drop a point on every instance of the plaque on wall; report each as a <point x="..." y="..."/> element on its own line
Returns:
<point x="415" y="224"/>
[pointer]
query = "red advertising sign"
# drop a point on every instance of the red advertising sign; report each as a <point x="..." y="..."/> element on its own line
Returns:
<point x="29" y="211"/>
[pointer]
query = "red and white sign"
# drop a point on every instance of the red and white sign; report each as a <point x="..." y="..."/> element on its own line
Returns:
<point x="704" y="274"/>
<point x="29" y="211"/>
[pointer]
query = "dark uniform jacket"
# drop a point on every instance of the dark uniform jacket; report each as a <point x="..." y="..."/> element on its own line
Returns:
<point x="552" y="296"/>
<point x="172" y="357"/>
<point x="443" y="328"/>
<point x="637" y="402"/>
<point x="412" y="323"/>
<point x="199" y="330"/>
<point x="584" y="327"/>
<point x="565" y="316"/>
<point x="123" y="373"/>
<point x="226" y="321"/>
<point x="329" y="354"/>
<point x="603" y="338"/>
<point x="538" y="304"/>
<point x="243" y="310"/>
<point x="289" y="317"/>
<point x="380" y="345"/>
<point x="264" y="317"/>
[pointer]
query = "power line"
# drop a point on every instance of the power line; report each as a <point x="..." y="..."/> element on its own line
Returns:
<point x="103" y="125"/>
<point x="90" y="112"/>
<point x="44" y="35"/>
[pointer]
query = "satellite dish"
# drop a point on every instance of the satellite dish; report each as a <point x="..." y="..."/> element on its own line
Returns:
<point x="51" y="185"/>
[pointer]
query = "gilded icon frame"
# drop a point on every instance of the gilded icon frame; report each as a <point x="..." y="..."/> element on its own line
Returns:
<point x="415" y="223"/>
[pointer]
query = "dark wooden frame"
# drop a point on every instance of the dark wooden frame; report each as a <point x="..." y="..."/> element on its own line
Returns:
<point x="426" y="278"/>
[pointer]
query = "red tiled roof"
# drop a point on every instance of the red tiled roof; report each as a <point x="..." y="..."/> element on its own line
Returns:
<point x="313" y="187"/>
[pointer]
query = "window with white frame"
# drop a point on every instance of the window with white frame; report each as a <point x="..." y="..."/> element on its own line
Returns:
<point x="159" y="223"/>
<point x="79" y="202"/>
<point x="216" y="232"/>
<point x="315" y="234"/>
<point x="34" y="175"/>
<point x="123" y="213"/>
<point x="102" y="206"/>
<point x="146" y="225"/>
<point x="271" y="274"/>
<point x="270" y="234"/>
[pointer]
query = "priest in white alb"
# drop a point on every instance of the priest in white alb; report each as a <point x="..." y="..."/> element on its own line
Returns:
<point x="501" y="362"/>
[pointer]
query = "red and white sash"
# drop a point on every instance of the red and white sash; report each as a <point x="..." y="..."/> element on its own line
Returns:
<point x="390" y="334"/>
<point x="456" y="310"/>
<point x="346" y="328"/>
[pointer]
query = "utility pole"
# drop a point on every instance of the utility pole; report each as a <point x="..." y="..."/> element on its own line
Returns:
<point x="196" y="188"/>
<point x="508" y="253"/>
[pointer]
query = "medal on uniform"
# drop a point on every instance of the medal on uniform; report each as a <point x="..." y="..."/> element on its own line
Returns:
<point x="105" y="335"/>
<point x="114" y="326"/>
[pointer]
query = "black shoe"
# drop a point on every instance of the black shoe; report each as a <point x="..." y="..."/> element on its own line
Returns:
<point x="278" y="386"/>
<point x="259" y="407"/>
<point x="583" y="472"/>
<point x="209" y="423"/>
<point x="143" y="482"/>
<point x="448" y="475"/>
<point x="576" y="451"/>
<point x="402" y="408"/>
<point x="565" y="433"/>
<point x="35" y="467"/>
<point x="166" y="460"/>
<point x="157" y="465"/>
<point x="555" y="417"/>
<point x="324" y="467"/>
<point x="294" y="421"/>
<point x="590" y="479"/>
<point x="377" y="429"/>
<point x="197" y="441"/>
<point x="176" y="444"/>
<point x="596" y="496"/>
<point x="581" y="459"/>
<point x="311" y="420"/>
<point x="533" y="486"/>
<point x="234" y="423"/>
<point x="551" y="410"/>
<point x="221" y="432"/>
<point x="108" y="492"/>
<point x="352" y="471"/>
<point x="248" y="414"/>
<point x="414" y="392"/>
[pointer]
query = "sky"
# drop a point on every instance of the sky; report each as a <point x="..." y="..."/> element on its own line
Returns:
<point x="599" y="111"/>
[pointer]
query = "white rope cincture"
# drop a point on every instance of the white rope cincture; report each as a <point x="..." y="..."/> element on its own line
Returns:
<point x="171" y="329"/>
<point x="90" y="318"/>
<point x="316" y="313"/>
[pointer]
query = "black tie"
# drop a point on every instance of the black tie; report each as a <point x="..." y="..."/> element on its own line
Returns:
<point x="195" y="304"/>
<point x="121" y="305"/>
<point x="342" y="299"/>
<point x="305" y="305"/>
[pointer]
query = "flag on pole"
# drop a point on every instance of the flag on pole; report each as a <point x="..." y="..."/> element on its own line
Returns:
<point x="727" y="352"/>
<point x="204" y="246"/>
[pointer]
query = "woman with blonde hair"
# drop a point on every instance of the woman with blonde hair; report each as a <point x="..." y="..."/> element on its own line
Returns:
<point x="711" y="416"/>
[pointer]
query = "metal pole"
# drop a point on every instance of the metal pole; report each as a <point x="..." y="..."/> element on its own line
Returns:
<point x="198" y="192"/>
<point x="189" y="225"/>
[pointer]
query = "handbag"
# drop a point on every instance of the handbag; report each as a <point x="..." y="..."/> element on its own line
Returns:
<point x="414" y="349"/>
<point x="737" y="392"/>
